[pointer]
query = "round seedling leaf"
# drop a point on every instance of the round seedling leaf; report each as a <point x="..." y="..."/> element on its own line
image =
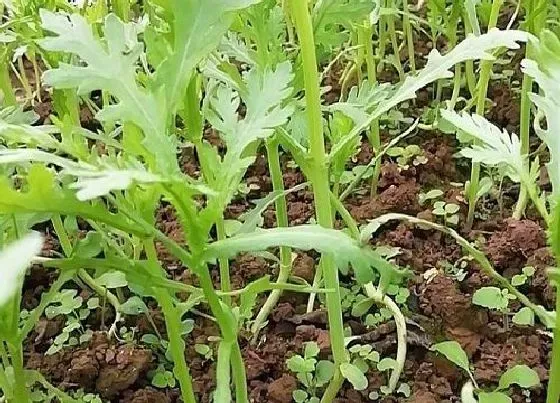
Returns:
<point x="490" y="297"/>
<point x="386" y="364"/>
<point x="454" y="353"/>
<point x="520" y="375"/>
<point x="299" y="395"/>
<point x="324" y="372"/>
<point x="354" y="375"/>
<point x="525" y="317"/>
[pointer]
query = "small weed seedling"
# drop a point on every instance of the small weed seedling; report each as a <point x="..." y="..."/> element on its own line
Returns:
<point x="312" y="373"/>
<point x="520" y="375"/>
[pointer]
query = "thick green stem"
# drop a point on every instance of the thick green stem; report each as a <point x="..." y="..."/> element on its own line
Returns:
<point x="553" y="392"/>
<point x="485" y="71"/>
<point x="20" y="388"/>
<point x="282" y="221"/>
<point x="225" y="281"/>
<point x="173" y="326"/>
<point x="320" y="182"/>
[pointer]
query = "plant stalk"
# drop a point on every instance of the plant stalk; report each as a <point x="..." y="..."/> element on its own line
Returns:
<point x="485" y="71"/>
<point x="173" y="325"/>
<point x="409" y="37"/>
<point x="282" y="221"/>
<point x="20" y="387"/>
<point x="223" y="263"/>
<point x="373" y="133"/>
<point x="320" y="183"/>
<point x="553" y="392"/>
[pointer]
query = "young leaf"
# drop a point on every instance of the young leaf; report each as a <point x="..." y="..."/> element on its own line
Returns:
<point x="454" y="353"/>
<point x="490" y="297"/>
<point x="306" y="237"/>
<point x="493" y="397"/>
<point x="497" y="148"/>
<point x="14" y="261"/>
<point x="191" y="18"/>
<point x="112" y="70"/>
<point x="354" y="375"/>
<point x="520" y="375"/>
<point x="525" y="317"/>
<point x="324" y="371"/>
<point x="42" y="194"/>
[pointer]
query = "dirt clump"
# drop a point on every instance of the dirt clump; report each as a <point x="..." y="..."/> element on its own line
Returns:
<point x="100" y="367"/>
<point x="280" y="390"/>
<point x="147" y="395"/>
<point x="512" y="246"/>
<point x="441" y="298"/>
<point x="304" y="267"/>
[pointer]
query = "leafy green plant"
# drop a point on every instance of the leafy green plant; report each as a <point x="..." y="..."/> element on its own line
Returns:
<point x="406" y="155"/>
<point x="447" y="211"/>
<point x="520" y="375"/>
<point x="312" y="373"/>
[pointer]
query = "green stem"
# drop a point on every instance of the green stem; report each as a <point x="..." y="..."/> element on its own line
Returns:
<point x="395" y="44"/>
<point x="239" y="374"/>
<point x="225" y="280"/>
<point x="282" y="221"/>
<point x="469" y="64"/>
<point x="23" y="79"/>
<point x="320" y="182"/>
<point x="8" y="94"/>
<point x="173" y="326"/>
<point x="525" y="123"/>
<point x="409" y="37"/>
<point x="20" y="388"/>
<point x="383" y="36"/>
<point x="373" y="134"/>
<point x="485" y="71"/>
<point x="553" y="392"/>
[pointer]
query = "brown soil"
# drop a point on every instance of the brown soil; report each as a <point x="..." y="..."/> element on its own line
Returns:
<point x="439" y="307"/>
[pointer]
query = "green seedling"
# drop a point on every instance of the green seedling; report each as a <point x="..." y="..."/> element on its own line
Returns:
<point x="430" y="195"/>
<point x="447" y="211"/>
<point x="312" y="373"/>
<point x="520" y="375"/>
<point x="407" y="155"/>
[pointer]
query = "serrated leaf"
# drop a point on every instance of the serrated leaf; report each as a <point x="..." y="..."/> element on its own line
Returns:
<point x="14" y="261"/>
<point x="354" y="375"/>
<point x="497" y="146"/>
<point x="454" y="353"/>
<point x="306" y="237"/>
<point x="520" y="375"/>
<point x="42" y="194"/>
<point x="191" y="18"/>
<point x="112" y="69"/>
<point x="437" y="67"/>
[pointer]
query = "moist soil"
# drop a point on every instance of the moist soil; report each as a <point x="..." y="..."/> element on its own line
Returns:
<point x="439" y="307"/>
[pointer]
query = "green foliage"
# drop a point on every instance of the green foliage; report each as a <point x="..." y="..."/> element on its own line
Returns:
<point x="310" y="372"/>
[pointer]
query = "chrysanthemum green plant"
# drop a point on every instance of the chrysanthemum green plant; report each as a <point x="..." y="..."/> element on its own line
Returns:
<point x="496" y="147"/>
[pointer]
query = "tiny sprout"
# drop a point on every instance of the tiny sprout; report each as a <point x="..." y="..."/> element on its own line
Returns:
<point x="448" y="211"/>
